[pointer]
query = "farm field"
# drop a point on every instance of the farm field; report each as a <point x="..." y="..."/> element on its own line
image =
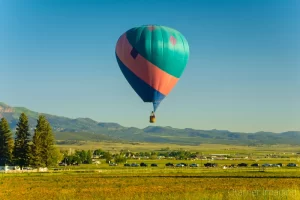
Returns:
<point x="101" y="181"/>
<point x="114" y="147"/>
<point x="141" y="183"/>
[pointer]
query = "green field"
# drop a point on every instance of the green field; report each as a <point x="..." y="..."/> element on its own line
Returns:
<point x="101" y="181"/>
<point x="208" y="148"/>
<point x="141" y="183"/>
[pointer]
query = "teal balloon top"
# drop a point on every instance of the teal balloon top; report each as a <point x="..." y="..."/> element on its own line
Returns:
<point x="163" y="46"/>
<point x="152" y="59"/>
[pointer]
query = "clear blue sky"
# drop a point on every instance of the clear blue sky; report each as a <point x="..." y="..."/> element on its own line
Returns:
<point x="243" y="74"/>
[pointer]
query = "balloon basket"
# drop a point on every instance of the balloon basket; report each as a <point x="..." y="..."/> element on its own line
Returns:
<point x="152" y="119"/>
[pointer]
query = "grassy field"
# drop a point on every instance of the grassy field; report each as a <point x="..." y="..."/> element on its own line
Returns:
<point x="152" y="184"/>
<point x="101" y="181"/>
<point x="205" y="148"/>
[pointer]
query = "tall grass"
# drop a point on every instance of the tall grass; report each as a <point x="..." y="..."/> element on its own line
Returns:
<point x="148" y="184"/>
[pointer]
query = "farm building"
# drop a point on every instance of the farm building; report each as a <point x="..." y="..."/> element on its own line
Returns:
<point x="9" y="168"/>
<point x="219" y="156"/>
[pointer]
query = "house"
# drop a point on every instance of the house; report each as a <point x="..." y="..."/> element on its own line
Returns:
<point x="6" y="168"/>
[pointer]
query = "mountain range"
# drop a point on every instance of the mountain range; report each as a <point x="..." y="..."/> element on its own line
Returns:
<point x="83" y="129"/>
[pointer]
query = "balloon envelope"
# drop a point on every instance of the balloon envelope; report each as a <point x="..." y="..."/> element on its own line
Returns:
<point x="152" y="59"/>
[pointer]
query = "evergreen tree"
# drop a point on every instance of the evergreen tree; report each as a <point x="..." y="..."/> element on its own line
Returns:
<point x="6" y="143"/>
<point x="44" y="153"/>
<point x="21" y="148"/>
<point x="36" y="150"/>
<point x="48" y="145"/>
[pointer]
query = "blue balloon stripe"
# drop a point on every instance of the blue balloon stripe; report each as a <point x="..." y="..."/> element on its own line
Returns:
<point x="145" y="91"/>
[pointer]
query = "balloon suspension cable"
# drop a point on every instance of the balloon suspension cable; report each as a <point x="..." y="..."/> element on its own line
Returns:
<point x="155" y="106"/>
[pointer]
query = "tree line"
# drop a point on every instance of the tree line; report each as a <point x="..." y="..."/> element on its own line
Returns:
<point x="79" y="157"/>
<point x="38" y="151"/>
<point x="124" y="155"/>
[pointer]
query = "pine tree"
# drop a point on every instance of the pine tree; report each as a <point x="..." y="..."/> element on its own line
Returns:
<point x="21" y="148"/>
<point x="43" y="150"/>
<point x="6" y="143"/>
<point x="36" y="150"/>
<point x="48" y="145"/>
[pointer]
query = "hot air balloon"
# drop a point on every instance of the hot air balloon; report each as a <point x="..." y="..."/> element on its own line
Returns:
<point x="152" y="58"/>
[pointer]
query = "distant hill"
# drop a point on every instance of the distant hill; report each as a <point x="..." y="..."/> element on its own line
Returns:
<point x="64" y="128"/>
<point x="88" y="129"/>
